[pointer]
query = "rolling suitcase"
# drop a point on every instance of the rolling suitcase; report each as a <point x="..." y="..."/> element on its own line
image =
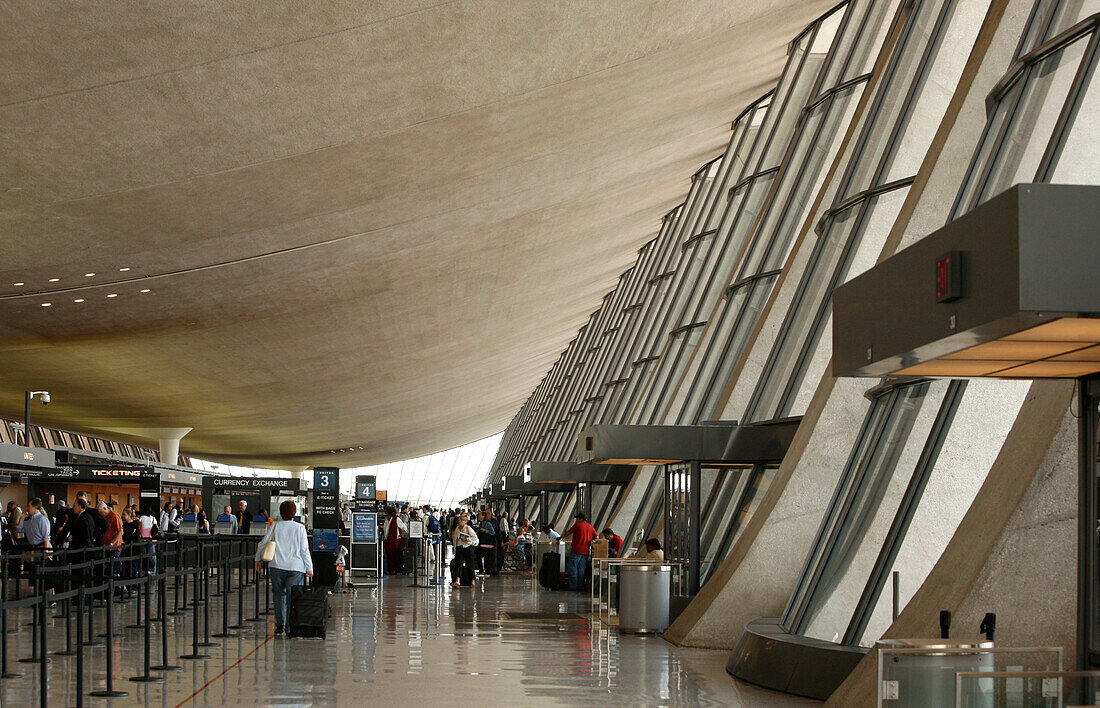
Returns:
<point x="549" y="575"/>
<point x="309" y="612"/>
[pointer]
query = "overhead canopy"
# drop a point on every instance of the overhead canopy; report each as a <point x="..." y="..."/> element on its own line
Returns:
<point x="539" y="473"/>
<point x="717" y="442"/>
<point x="1009" y="290"/>
<point x="366" y="229"/>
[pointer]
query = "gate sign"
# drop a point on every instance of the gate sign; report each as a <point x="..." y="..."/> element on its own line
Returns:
<point x="326" y="477"/>
<point x="364" y="527"/>
<point x="365" y="485"/>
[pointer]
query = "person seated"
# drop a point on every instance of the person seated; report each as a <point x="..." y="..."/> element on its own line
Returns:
<point x="651" y="551"/>
<point x="614" y="543"/>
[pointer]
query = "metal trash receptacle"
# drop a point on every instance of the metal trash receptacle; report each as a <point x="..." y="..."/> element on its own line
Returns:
<point x="927" y="678"/>
<point x="644" y="594"/>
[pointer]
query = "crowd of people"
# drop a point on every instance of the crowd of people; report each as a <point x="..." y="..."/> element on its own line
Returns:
<point x="484" y="542"/>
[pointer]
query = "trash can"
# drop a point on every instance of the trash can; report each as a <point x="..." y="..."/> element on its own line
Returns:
<point x="928" y="678"/>
<point x="644" y="592"/>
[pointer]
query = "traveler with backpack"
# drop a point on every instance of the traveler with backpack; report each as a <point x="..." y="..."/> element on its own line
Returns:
<point x="291" y="563"/>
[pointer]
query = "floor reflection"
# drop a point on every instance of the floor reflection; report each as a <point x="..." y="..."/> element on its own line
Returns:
<point x="400" y="643"/>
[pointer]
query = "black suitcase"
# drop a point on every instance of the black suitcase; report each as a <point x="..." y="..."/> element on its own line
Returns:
<point x="549" y="575"/>
<point x="406" y="561"/>
<point x="309" y="612"/>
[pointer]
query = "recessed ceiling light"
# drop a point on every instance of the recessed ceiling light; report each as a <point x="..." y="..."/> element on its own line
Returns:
<point x="123" y="270"/>
<point x="79" y="299"/>
<point x="54" y="280"/>
<point x="146" y="290"/>
<point x="89" y="275"/>
<point x="46" y="304"/>
<point x="113" y="295"/>
<point x="18" y="284"/>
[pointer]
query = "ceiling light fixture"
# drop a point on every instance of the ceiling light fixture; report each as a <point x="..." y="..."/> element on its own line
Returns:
<point x="113" y="295"/>
<point x="46" y="304"/>
<point x="123" y="270"/>
<point x="89" y="275"/>
<point x="18" y="284"/>
<point x="79" y="299"/>
<point x="146" y="290"/>
<point x="54" y="280"/>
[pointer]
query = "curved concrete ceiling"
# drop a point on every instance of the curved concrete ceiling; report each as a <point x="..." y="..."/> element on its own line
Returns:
<point x="369" y="226"/>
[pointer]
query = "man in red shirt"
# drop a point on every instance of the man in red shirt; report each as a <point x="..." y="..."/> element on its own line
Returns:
<point x="614" y="543"/>
<point x="582" y="533"/>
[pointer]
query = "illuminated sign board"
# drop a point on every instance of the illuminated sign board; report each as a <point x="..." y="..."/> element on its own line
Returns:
<point x="99" y="473"/>
<point x="949" y="277"/>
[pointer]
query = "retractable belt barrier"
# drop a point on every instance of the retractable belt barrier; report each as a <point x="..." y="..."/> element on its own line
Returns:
<point x="82" y="578"/>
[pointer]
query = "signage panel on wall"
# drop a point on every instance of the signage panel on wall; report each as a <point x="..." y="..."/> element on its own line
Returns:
<point x="325" y="539"/>
<point x="135" y="474"/>
<point x="364" y="527"/>
<point x="326" y="477"/>
<point x="365" y="485"/>
<point x="325" y="513"/>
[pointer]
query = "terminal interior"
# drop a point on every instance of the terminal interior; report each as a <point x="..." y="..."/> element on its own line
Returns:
<point x="796" y="299"/>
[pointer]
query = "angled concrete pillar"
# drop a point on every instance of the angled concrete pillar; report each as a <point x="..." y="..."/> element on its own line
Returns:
<point x="169" y="439"/>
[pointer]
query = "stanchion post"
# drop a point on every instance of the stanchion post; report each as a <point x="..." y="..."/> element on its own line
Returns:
<point x="4" y="673"/>
<point x="43" y="684"/>
<point x="162" y="604"/>
<point x="110" y="691"/>
<point x="146" y="677"/>
<point x="240" y="593"/>
<point x="68" y="651"/>
<point x="195" y="655"/>
<point x="80" y="647"/>
<point x="36" y="582"/>
<point x="205" y="571"/>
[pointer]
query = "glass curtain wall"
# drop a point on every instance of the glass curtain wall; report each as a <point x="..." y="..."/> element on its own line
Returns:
<point x="819" y="133"/>
<point x="799" y="135"/>
<point x="890" y="143"/>
<point x="866" y="533"/>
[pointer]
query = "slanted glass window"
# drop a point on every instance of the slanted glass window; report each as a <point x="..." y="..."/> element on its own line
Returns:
<point x="1042" y="123"/>
<point x="899" y="440"/>
<point x="645" y="521"/>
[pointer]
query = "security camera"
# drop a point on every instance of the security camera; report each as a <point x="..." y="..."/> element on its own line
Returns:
<point x="45" y="399"/>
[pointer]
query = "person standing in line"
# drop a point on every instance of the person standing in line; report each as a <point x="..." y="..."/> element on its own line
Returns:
<point x="292" y="563"/>
<point x="345" y="519"/>
<point x="465" y="540"/>
<point x="486" y="555"/>
<point x="393" y="531"/>
<point x="202" y="524"/>
<point x="83" y="533"/>
<point x="244" y="519"/>
<point x="582" y="534"/>
<point x="148" y="531"/>
<point x="112" y="537"/>
<point x="165" y="517"/>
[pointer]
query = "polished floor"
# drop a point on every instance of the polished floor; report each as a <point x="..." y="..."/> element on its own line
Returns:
<point x="404" y="646"/>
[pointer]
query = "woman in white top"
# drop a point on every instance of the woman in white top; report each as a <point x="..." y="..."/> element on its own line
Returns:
<point x="292" y="563"/>
<point x="465" y="541"/>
